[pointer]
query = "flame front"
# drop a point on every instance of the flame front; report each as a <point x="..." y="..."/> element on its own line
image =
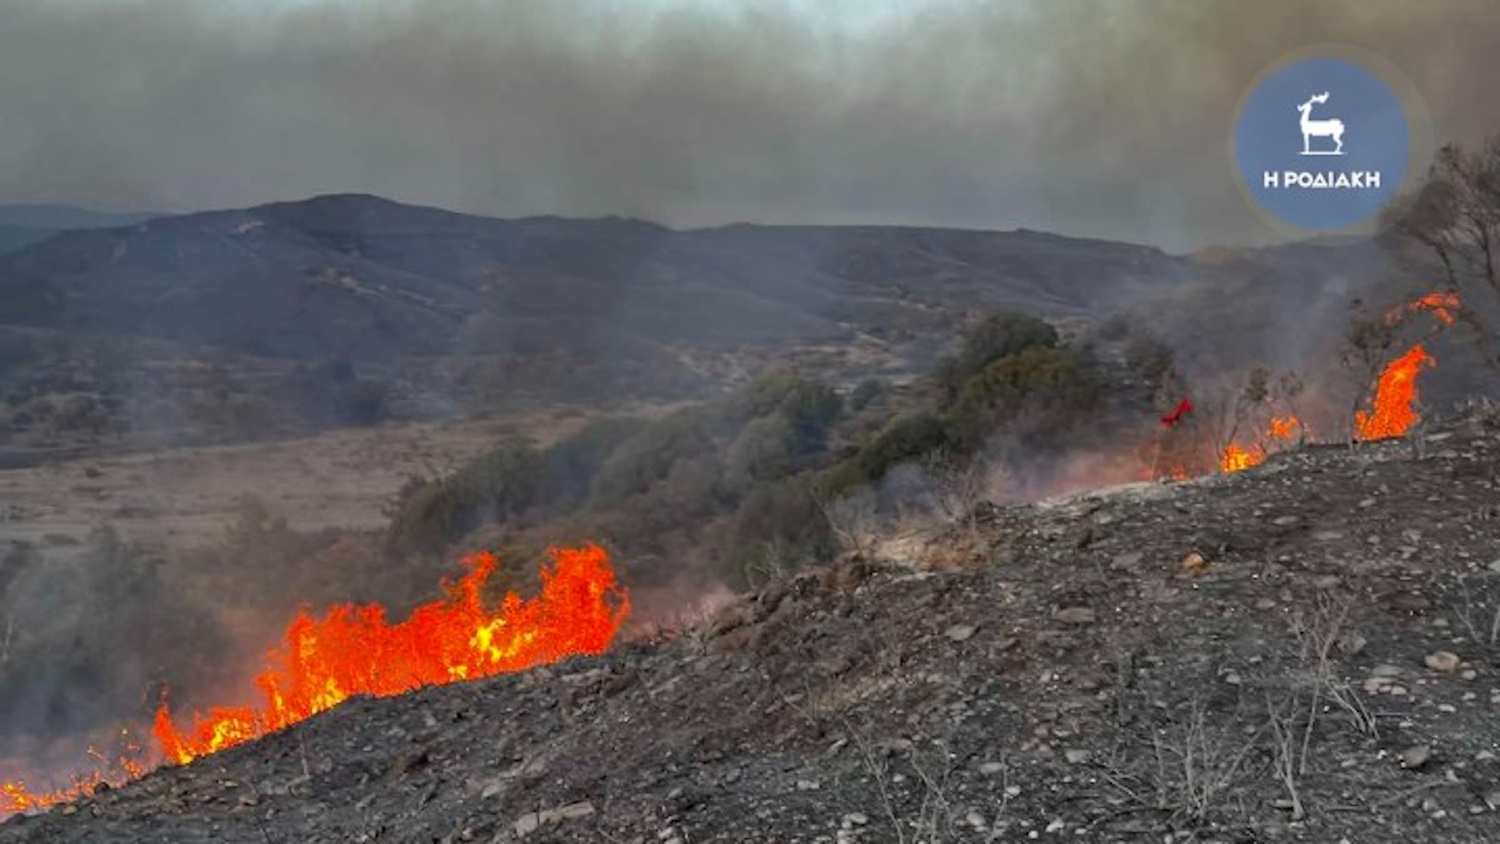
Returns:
<point x="1393" y="409"/>
<point x="350" y="651"/>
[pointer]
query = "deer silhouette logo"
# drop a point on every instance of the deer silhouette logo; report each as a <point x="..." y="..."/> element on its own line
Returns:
<point x="1320" y="128"/>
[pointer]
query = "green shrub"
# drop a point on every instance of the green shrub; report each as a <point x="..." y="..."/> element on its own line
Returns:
<point x="570" y="464"/>
<point x="995" y="337"/>
<point x="647" y="457"/>
<point x="1037" y="396"/>
<point x="766" y="448"/>
<point x="431" y="514"/>
<point x="905" y="439"/>
<point x="782" y="519"/>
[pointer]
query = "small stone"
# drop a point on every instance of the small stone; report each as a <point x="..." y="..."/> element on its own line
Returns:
<point x="1075" y="615"/>
<point x="1416" y="756"/>
<point x="1056" y="825"/>
<point x="854" y="819"/>
<point x="527" y="824"/>
<point x="808" y="785"/>
<point x="1485" y="756"/>
<point x="1385" y="670"/>
<point x="991" y="768"/>
<point x="1194" y="561"/>
<point x="1469" y="674"/>
<point x="1077" y="756"/>
<point x="1494" y="566"/>
<point x="1442" y="661"/>
<point x="1012" y="791"/>
<point x="1285" y="521"/>
<point x="1351" y="644"/>
<point x="1131" y="559"/>
<point x="1492" y="800"/>
<point x="960" y="632"/>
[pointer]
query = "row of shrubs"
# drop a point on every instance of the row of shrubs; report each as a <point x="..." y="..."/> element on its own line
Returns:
<point x="751" y="473"/>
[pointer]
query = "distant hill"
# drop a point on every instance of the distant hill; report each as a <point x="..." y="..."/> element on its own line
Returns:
<point x="453" y="311"/>
<point x="23" y="225"/>
<point x="364" y="278"/>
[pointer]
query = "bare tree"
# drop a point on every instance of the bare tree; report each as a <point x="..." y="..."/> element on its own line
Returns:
<point x="1453" y="220"/>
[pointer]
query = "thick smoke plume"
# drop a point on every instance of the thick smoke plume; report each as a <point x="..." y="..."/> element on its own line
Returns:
<point x="1107" y="119"/>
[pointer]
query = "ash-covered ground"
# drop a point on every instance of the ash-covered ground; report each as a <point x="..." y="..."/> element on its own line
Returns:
<point x="1305" y="651"/>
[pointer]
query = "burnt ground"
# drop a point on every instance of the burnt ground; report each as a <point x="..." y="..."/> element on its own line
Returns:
<point x="1302" y="652"/>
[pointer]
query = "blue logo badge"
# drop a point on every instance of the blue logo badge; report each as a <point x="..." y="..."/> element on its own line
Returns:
<point x="1323" y="144"/>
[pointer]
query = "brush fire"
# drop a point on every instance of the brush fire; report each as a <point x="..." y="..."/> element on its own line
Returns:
<point x="1390" y="411"/>
<point x="349" y="651"/>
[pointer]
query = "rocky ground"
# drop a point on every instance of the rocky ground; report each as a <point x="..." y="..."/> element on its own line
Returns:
<point x="1302" y="652"/>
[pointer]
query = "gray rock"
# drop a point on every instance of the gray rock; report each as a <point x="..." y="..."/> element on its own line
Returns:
<point x="1442" y="661"/>
<point x="960" y="632"/>
<point x="1075" y="615"/>
<point x="1415" y="757"/>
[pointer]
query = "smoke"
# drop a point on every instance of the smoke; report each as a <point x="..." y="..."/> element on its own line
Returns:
<point x="1106" y="119"/>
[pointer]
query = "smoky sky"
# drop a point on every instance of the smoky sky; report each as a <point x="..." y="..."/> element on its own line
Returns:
<point x="1105" y="118"/>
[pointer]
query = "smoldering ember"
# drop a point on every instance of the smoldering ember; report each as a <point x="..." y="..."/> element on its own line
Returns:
<point x="677" y="422"/>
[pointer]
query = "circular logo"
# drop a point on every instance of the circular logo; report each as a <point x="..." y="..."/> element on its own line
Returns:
<point x="1323" y="142"/>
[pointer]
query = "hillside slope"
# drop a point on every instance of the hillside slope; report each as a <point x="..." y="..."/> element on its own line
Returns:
<point x="1303" y="651"/>
<point x="368" y="279"/>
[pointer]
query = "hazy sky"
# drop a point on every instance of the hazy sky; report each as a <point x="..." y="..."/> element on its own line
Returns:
<point x="1097" y="117"/>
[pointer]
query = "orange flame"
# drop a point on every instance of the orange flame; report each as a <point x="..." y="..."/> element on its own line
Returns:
<point x="16" y="797"/>
<point x="355" y="651"/>
<point x="351" y="651"/>
<point x="1439" y="303"/>
<point x="1237" y="458"/>
<point x="1393" y="407"/>
<point x="1281" y="429"/>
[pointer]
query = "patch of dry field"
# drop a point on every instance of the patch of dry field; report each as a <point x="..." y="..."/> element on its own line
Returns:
<point x="187" y="496"/>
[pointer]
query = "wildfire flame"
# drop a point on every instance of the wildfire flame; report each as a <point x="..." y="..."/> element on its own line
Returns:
<point x="351" y="651"/>
<point x="1440" y="304"/>
<point x="1280" y="429"/>
<point x="1392" y="411"/>
<point x="16" y="797"/>
<point x="1393" y="406"/>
